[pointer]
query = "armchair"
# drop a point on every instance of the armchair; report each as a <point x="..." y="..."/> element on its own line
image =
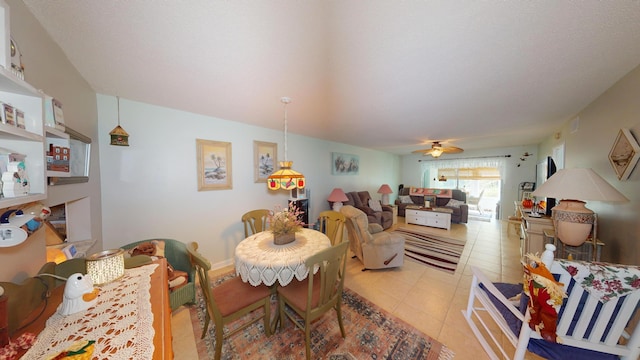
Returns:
<point x="361" y="201"/>
<point x="177" y="256"/>
<point x="375" y="248"/>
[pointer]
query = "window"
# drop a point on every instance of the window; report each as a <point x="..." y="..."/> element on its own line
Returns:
<point x="473" y="176"/>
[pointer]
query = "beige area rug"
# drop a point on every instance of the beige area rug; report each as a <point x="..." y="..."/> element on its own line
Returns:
<point x="438" y="252"/>
<point x="372" y="333"/>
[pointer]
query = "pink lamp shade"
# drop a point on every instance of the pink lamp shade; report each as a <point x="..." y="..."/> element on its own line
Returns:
<point x="337" y="196"/>
<point x="385" y="190"/>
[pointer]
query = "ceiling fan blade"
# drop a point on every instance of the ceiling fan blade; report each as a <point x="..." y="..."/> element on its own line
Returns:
<point x="423" y="151"/>
<point x="452" y="149"/>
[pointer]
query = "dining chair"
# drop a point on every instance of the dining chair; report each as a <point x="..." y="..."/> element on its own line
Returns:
<point x="255" y="221"/>
<point x="317" y="294"/>
<point x="229" y="301"/>
<point x="331" y="223"/>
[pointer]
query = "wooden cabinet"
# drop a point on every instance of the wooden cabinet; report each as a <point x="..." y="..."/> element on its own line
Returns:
<point x="428" y="218"/>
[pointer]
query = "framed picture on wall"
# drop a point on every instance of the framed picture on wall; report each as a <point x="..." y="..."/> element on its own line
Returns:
<point x="265" y="155"/>
<point x="214" y="165"/>
<point x="344" y="164"/>
<point x="624" y="154"/>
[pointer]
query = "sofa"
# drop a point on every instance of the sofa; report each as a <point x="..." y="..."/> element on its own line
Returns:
<point x="360" y="200"/>
<point x="460" y="210"/>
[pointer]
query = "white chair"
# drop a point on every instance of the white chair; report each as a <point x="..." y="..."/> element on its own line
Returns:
<point x="475" y="202"/>
<point x="584" y="323"/>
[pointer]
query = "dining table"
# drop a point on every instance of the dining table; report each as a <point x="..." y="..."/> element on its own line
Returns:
<point x="259" y="261"/>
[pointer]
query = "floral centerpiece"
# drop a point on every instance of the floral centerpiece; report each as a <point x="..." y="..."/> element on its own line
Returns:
<point x="284" y="224"/>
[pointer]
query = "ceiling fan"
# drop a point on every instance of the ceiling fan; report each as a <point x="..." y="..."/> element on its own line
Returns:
<point x="437" y="149"/>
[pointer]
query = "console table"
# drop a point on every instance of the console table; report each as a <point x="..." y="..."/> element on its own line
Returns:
<point x="159" y="302"/>
<point x="428" y="217"/>
<point x="533" y="239"/>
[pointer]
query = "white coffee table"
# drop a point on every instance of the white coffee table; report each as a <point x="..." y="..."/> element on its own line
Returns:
<point x="428" y="217"/>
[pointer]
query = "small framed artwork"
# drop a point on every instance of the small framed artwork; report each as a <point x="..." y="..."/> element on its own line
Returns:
<point x="624" y="154"/>
<point x="344" y="164"/>
<point x="214" y="165"/>
<point x="264" y="160"/>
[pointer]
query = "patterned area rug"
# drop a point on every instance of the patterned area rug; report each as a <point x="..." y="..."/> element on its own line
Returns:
<point x="371" y="332"/>
<point x="434" y="251"/>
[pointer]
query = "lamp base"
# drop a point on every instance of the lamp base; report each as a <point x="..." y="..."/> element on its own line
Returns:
<point x="337" y="206"/>
<point x="385" y="199"/>
<point x="573" y="222"/>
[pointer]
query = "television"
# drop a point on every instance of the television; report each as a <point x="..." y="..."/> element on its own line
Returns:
<point x="544" y="170"/>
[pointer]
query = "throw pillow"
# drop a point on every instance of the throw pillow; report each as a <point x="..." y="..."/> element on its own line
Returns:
<point x="375" y="205"/>
<point x="405" y="199"/>
<point x="455" y="203"/>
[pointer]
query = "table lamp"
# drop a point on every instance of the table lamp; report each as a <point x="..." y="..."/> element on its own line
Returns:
<point x="572" y="220"/>
<point x="385" y="190"/>
<point x="337" y="196"/>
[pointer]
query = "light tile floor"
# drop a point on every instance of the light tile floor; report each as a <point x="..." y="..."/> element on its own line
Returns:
<point x="428" y="299"/>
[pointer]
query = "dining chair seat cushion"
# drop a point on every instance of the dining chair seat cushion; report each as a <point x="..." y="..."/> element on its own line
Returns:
<point x="233" y="295"/>
<point x="296" y="291"/>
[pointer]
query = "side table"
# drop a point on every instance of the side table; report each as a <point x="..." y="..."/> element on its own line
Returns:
<point x="394" y="208"/>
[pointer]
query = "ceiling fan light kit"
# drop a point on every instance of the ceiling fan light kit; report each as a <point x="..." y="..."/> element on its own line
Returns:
<point x="437" y="149"/>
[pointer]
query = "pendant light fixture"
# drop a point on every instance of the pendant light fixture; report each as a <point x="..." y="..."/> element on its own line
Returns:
<point x="119" y="137"/>
<point x="285" y="178"/>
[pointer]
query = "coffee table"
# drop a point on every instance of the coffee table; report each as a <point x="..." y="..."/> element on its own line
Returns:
<point x="433" y="217"/>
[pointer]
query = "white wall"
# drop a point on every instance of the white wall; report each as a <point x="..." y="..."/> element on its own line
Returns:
<point x="588" y="147"/>
<point x="411" y="173"/>
<point x="149" y="189"/>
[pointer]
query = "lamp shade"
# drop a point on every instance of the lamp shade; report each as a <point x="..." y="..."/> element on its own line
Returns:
<point x="385" y="189"/>
<point x="337" y="196"/>
<point x="573" y="222"/>
<point x="579" y="184"/>
<point x="286" y="178"/>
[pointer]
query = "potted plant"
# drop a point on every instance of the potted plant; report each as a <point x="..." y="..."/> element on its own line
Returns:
<point x="284" y="224"/>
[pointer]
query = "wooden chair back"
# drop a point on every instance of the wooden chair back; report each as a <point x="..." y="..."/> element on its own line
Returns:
<point x="236" y="298"/>
<point x="255" y="221"/>
<point x="331" y="223"/>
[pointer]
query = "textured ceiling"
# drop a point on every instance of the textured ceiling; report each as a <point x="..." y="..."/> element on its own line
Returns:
<point x="383" y="74"/>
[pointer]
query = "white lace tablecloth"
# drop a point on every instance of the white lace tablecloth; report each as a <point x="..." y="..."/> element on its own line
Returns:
<point x="121" y="322"/>
<point x="260" y="261"/>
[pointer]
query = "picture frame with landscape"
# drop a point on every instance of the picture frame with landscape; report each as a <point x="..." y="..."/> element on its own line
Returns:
<point x="214" y="165"/>
<point x="624" y="154"/>
<point x="265" y="155"/>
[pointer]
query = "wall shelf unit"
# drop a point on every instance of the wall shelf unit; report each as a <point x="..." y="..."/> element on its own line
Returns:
<point x="30" y="140"/>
